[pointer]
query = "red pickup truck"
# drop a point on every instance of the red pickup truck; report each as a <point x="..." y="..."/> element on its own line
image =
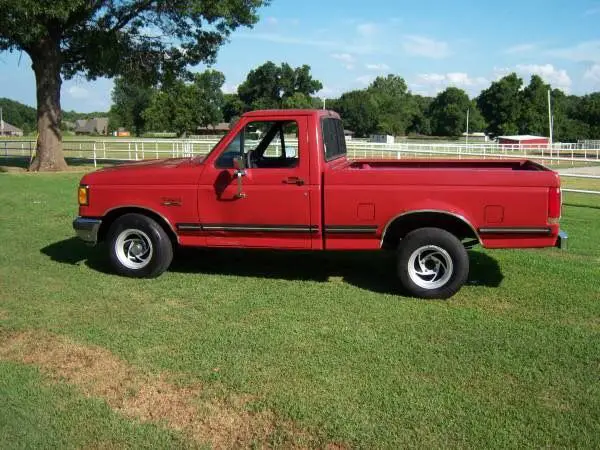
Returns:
<point x="280" y="179"/>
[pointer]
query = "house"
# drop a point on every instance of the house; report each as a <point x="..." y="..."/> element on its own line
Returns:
<point x="348" y="134"/>
<point x="477" y="137"/>
<point x="6" y="129"/>
<point x="97" y="125"/>
<point x="524" y="141"/>
<point x="382" y="138"/>
<point x="219" y="128"/>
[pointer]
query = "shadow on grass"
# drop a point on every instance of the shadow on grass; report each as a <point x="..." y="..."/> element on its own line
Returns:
<point x="581" y="205"/>
<point x="373" y="271"/>
<point x="22" y="162"/>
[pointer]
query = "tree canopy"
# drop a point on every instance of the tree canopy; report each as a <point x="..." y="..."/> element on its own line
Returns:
<point x="146" y="40"/>
<point x="183" y="107"/>
<point x="271" y="86"/>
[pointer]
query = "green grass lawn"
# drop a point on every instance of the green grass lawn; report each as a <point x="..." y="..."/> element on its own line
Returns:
<point x="300" y="349"/>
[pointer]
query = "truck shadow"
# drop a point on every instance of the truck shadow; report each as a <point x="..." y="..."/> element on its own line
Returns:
<point x="373" y="271"/>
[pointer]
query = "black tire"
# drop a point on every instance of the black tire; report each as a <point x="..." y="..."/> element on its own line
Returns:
<point x="139" y="247"/>
<point x="439" y="262"/>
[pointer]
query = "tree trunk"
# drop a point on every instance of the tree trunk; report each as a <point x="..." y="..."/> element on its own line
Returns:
<point x="46" y="64"/>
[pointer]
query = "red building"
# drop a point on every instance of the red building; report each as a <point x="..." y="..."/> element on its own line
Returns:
<point x="524" y="141"/>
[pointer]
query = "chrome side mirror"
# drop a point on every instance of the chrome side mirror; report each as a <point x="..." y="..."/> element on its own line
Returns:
<point x="239" y="166"/>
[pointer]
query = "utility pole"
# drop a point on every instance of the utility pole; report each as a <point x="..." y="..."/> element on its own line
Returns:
<point x="323" y="102"/>
<point x="550" y="119"/>
<point x="467" y="134"/>
<point x="1" y="123"/>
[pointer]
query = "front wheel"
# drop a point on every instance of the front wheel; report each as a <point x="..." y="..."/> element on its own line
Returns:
<point x="139" y="247"/>
<point x="432" y="263"/>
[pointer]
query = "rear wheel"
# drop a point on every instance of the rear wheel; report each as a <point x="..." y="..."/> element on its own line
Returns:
<point x="432" y="263"/>
<point x="139" y="247"/>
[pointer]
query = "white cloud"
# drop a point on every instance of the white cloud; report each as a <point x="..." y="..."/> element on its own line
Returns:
<point x="272" y="20"/>
<point x="593" y="74"/>
<point x="434" y="83"/>
<point x="556" y="77"/>
<point x="426" y="47"/>
<point x="230" y="88"/>
<point x="78" y="92"/>
<point x="377" y="67"/>
<point x="367" y="29"/>
<point x="588" y="51"/>
<point x="365" y="79"/>
<point x="592" y="11"/>
<point x="346" y="58"/>
<point x="521" y="48"/>
<point x="459" y="79"/>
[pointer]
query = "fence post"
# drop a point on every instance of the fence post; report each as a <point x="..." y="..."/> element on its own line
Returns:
<point x="136" y="152"/>
<point x="129" y="149"/>
<point x="104" y="148"/>
<point x="94" y="147"/>
<point x="156" y="149"/>
<point x="143" y="155"/>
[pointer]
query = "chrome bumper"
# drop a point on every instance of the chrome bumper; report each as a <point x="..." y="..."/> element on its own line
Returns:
<point x="87" y="229"/>
<point x="562" y="240"/>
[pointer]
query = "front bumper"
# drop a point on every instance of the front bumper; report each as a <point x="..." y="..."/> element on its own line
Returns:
<point x="562" y="240"/>
<point x="87" y="229"/>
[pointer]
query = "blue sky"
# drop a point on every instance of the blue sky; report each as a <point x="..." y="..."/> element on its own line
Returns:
<point x="432" y="44"/>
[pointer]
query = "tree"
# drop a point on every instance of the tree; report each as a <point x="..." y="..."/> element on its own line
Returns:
<point x="183" y="107"/>
<point x="360" y="112"/>
<point x="144" y="40"/>
<point x="500" y="105"/>
<point x="130" y="99"/>
<point x="534" y="108"/>
<point x="233" y="107"/>
<point x="448" y="113"/>
<point x="395" y="105"/>
<point x="269" y="85"/>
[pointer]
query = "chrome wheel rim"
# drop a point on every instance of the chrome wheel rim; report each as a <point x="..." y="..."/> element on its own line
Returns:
<point x="430" y="267"/>
<point x="133" y="249"/>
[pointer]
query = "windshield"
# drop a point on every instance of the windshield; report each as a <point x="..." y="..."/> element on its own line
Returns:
<point x="200" y="158"/>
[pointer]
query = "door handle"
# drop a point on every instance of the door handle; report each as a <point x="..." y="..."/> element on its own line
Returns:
<point x="294" y="180"/>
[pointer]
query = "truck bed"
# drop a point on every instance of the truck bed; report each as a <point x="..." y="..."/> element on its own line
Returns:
<point x="470" y="164"/>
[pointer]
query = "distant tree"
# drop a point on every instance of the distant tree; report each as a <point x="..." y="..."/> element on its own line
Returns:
<point x="448" y="113"/>
<point x="183" y="107"/>
<point x="297" y="100"/>
<point x="500" y="105"/>
<point x="396" y="108"/>
<point x="269" y="85"/>
<point x="233" y="107"/>
<point x="144" y="40"/>
<point x="533" y="118"/>
<point x="360" y="112"/>
<point x="18" y="114"/>
<point x="130" y="99"/>
<point x="420" y="121"/>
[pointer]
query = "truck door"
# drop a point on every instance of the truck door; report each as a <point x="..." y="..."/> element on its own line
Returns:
<point x="269" y="205"/>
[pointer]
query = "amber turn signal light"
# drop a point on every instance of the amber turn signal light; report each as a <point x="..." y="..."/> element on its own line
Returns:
<point x="82" y="196"/>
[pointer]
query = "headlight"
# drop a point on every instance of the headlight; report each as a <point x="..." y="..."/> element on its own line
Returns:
<point x="83" y="195"/>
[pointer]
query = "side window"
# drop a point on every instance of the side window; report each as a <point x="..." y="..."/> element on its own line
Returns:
<point x="334" y="142"/>
<point x="264" y="145"/>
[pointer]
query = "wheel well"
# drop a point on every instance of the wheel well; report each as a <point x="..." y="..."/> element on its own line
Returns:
<point x="404" y="224"/>
<point x="114" y="214"/>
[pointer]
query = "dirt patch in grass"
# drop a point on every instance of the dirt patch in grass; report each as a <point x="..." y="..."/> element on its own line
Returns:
<point x="151" y="398"/>
<point x="3" y="314"/>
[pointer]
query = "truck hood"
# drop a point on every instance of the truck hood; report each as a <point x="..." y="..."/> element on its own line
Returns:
<point x="151" y="172"/>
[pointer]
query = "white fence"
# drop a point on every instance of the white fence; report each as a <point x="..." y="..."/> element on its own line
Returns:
<point x="138" y="149"/>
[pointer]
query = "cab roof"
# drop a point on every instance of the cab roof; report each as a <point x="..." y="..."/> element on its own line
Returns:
<point x="291" y="112"/>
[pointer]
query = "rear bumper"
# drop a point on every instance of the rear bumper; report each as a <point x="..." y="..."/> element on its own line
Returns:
<point x="562" y="240"/>
<point x="87" y="229"/>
